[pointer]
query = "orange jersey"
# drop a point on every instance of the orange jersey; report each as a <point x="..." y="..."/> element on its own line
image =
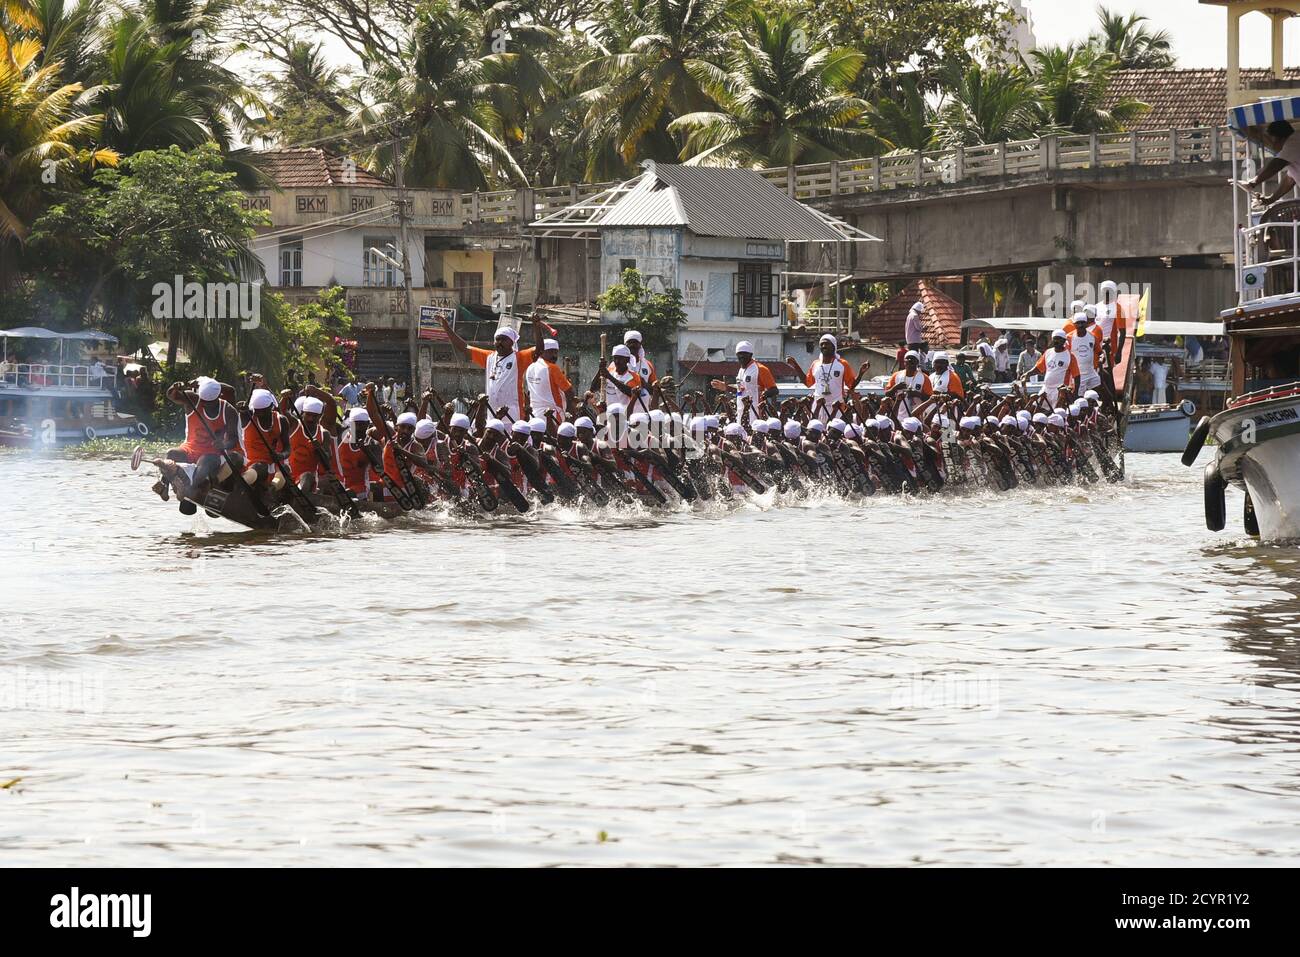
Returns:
<point x="830" y="380"/>
<point x="916" y="383"/>
<point x="547" y="385"/>
<point x="206" y="441"/>
<point x="1057" y="368"/>
<point x="302" y="453"/>
<point x="354" y="467"/>
<point x="259" y="442"/>
<point x="1086" y="347"/>
<point x="949" y="382"/>
<point x="614" y="395"/>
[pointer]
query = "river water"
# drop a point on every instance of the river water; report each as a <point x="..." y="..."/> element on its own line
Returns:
<point x="1044" y="677"/>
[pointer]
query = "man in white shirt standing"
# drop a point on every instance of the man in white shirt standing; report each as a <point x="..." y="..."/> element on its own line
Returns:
<point x="1159" y="377"/>
<point x="1279" y="137"/>
<point x="914" y="328"/>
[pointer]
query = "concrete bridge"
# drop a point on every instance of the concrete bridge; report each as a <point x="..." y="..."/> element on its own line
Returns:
<point x="1144" y="206"/>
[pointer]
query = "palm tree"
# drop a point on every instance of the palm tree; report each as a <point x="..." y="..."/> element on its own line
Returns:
<point x="904" y="120"/>
<point x="988" y="104"/>
<point x="442" y="95"/>
<point x="1132" y="45"/>
<point x="653" y="55"/>
<point x="68" y="32"/>
<point x="42" y="137"/>
<point x="780" y="103"/>
<point x="1072" y="83"/>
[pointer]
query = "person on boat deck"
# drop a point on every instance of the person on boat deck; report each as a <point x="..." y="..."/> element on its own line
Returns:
<point x="305" y="465"/>
<point x="914" y="328"/>
<point x="1002" y="360"/>
<point x="642" y="366"/>
<point x="1058" y="366"/>
<point x="503" y="368"/>
<point x="829" y="375"/>
<point x="1027" y="359"/>
<point x="754" y="381"/>
<point x="944" y="380"/>
<point x="1112" y="332"/>
<point x="1086" y="344"/>
<point x="1279" y="137"/>
<point x="1159" y="381"/>
<point x="549" y="389"/>
<point x="621" y="384"/>
<point x="264" y="438"/>
<point x="911" y="382"/>
<point x="211" y="427"/>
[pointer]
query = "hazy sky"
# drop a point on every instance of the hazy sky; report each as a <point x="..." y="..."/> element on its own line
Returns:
<point x="1198" y="29"/>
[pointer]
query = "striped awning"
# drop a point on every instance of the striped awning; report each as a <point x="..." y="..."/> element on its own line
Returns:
<point x="1264" y="112"/>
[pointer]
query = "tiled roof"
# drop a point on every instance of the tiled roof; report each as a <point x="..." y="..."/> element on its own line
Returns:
<point x="299" y="168"/>
<point x="942" y="317"/>
<point x="1181" y="98"/>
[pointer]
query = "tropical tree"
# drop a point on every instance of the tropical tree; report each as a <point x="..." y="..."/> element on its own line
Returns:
<point x="43" y="140"/>
<point x="1072" y="84"/>
<point x="654" y="54"/>
<point x="69" y="35"/>
<point x="1130" y="43"/>
<point x="442" y="94"/>
<point x="308" y="99"/>
<point x="780" y="102"/>
<point x="988" y="104"/>
<point x="904" y="119"/>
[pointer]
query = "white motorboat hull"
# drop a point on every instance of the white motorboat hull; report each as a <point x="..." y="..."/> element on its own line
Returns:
<point x="1259" y="451"/>
<point x="1158" y="428"/>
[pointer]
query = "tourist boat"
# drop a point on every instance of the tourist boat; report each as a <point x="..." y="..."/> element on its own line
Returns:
<point x="1201" y="382"/>
<point x="1258" y="432"/>
<point x="59" y="403"/>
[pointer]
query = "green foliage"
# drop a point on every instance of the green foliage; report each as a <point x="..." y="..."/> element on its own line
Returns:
<point x="657" y="316"/>
<point x="309" y="331"/>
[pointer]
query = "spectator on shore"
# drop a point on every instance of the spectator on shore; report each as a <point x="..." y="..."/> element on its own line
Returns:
<point x="1142" y="382"/>
<point x="965" y="371"/>
<point x="1002" y="360"/>
<point x="1027" y="360"/>
<point x="1159" y="381"/>
<point x="351" y="394"/>
<point x="986" y="370"/>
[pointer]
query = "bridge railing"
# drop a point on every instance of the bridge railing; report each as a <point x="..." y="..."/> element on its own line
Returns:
<point x="910" y="170"/>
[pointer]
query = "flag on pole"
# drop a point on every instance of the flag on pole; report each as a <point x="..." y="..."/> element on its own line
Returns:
<point x="1144" y="311"/>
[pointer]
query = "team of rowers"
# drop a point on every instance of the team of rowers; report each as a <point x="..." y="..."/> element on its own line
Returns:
<point x="530" y="438"/>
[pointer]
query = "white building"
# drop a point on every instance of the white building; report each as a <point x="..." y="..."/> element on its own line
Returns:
<point x="718" y="235"/>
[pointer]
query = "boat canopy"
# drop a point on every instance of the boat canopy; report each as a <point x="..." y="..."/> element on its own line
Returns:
<point x="1154" y="328"/>
<point x="35" y="332"/>
<point x="1263" y="112"/>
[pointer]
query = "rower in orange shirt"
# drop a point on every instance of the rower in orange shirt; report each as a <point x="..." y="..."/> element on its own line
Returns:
<point x="914" y="384"/>
<point x="1086" y="344"/>
<point x="265" y="439"/>
<point x="354" y="464"/>
<point x="944" y="379"/>
<point x="305" y="465"/>
<point x="1058" y="367"/>
<point x="622" y="385"/>
<point x="549" y="389"/>
<point x="830" y="377"/>
<point x="754" y="383"/>
<point x="643" y="367"/>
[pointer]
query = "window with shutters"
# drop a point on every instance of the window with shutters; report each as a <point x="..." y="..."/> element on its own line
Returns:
<point x="752" y="295"/>
<point x="291" y="261"/>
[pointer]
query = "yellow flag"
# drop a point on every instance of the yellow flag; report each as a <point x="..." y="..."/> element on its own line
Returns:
<point x="1144" y="310"/>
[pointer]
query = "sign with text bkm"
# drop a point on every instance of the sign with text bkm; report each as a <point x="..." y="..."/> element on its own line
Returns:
<point x="430" y="326"/>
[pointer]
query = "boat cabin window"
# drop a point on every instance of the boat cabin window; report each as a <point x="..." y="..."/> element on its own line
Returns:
<point x="1271" y="361"/>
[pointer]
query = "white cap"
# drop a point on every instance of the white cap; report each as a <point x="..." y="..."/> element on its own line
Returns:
<point x="829" y="338"/>
<point x="1076" y="306"/>
<point x="744" y="345"/>
<point x="1092" y="396"/>
<point x="459" y="420"/>
<point x="406" y="418"/>
<point x="495" y="425"/>
<point x="793" y="429"/>
<point x="1008" y="420"/>
<point x="940" y="357"/>
<point x="733" y="429"/>
<point x="358" y="415"/>
<point x="816" y="425"/>
<point x="1060" y="334"/>
<point x="520" y="427"/>
<point x="760" y="425"/>
<point x="884" y="423"/>
<point x="1040" y="418"/>
<point x="1059" y="411"/>
<point x="838" y="424"/>
<point x="1108" y="284"/>
<point x="917" y="307"/>
<point x="1080" y="317"/>
<point x="1024" y="414"/>
<point x="616" y="408"/>
<point x="631" y="336"/>
<point x="537" y="424"/>
<point x="507" y="332"/>
<point x="658" y="415"/>
<point x="1055" y="419"/>
<point x="853" y="431"/>
<point x="912" y="354"/>
<point x="712" y="422"/>
<point x="425" y="429"/>
<point x="774" y="423"/>
<point x="548" y="344"/>
<point x="969" y="422"/>
<point x="871" y="423"/>
<point x="313" y="404"/>
<point x="623" y="351"/>
<point x="567" y="430"/>
<point x="584" y="422"/>
<point x="299" y="402"/>
<point x="261" y="399"/>
<point x="912" y="424"/>
<point x="209" y="389"/>
<point x="1001" y="343"/>
<point x="638" y="418"/>
<point x="1023" y="423"/>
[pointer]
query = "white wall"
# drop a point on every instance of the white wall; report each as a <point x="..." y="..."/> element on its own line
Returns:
<point x="330" y="254"/>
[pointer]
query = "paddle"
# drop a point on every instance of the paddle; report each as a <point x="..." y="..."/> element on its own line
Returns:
<point x="283" y="469"/>
<point x="342" y="497"/>
<point x="258" y="506"/>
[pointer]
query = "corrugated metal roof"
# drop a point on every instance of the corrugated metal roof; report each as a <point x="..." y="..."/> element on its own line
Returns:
<point x="711" y="201"/>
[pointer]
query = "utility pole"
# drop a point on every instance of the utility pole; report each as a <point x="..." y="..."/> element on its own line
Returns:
<point x="403" y="216"/>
